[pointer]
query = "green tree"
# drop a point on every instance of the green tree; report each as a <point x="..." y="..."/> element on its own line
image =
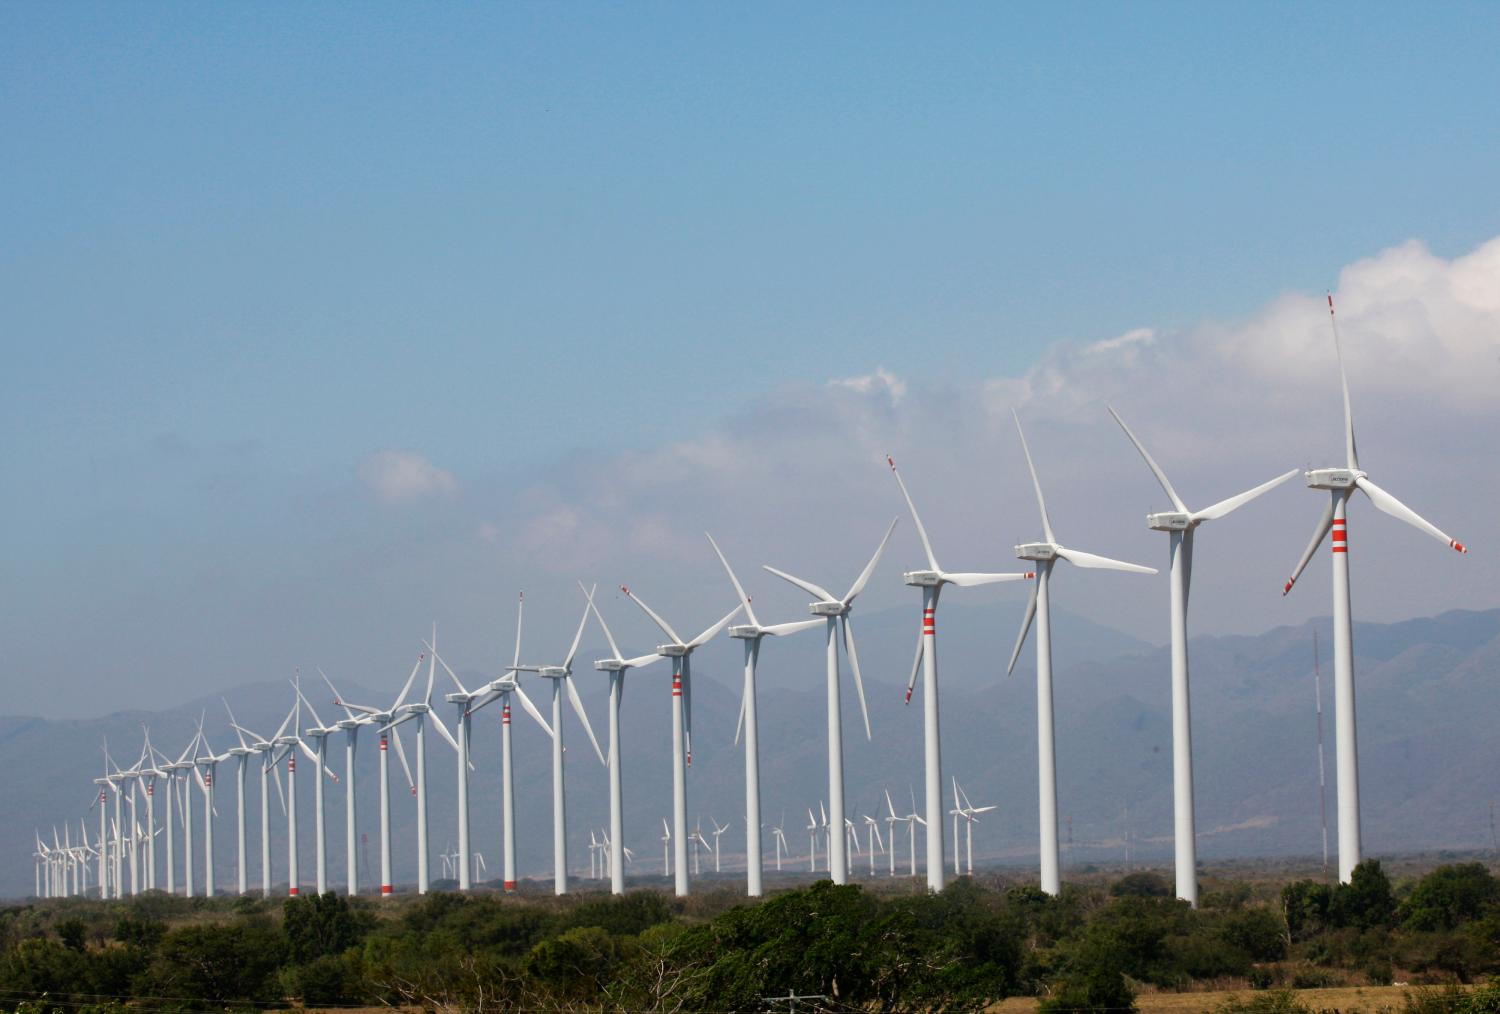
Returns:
<point x="214" y="966"/>
<point x="1366" y="901"/>
<point x="315" y="925"/>
<point x="1450" y="896"/>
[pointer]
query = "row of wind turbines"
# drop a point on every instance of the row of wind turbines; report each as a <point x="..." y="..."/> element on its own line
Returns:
<point x="830" y="611"/>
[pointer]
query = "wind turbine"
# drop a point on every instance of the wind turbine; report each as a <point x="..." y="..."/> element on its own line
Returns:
<point x="422" y="711"/>
<point x="289" y="743"/>
<point x="464" y="699"/>
<point x="240" y="753"/>
<point x="205" y="766"/>
<point x="931" y="581"/>
<point x="1045" y="554"/>
<point x="1341" y="484"/>
<point x="350" y="724"/>
<point x="561" y="676"/>
<point x="666" y="849"/>
<point x="681" y="652"/>
<point x="717" y="832"/>
<point x="812" y="841"/>
<point x="320" y="732"/>
<point x="835" y="611"/>
<point x="265" y="747"/>
<point x="364" y="715"/>
<point x="1181" y="524"/>
<point x="781" y="845"/>
<point x="501" y="689"/>
<point x="617" y="666"/>
<point x="872" y="827"/>
<point x="970" y="813"/>
<point x="751" y="634"/>
<point x="911" y="820"/>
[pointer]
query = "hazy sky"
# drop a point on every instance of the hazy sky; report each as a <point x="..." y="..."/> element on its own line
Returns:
<point x="319" y="323"/>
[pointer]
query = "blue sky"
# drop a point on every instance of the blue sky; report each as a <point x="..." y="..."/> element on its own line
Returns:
<point x="246" y="248"/>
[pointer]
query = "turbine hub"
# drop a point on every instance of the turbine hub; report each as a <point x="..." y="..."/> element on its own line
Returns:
<point x="1036" y="551"/>
<point x="922" y="578"/>
<point x="1169" y="521"/>
<point x="1331" y="478"/>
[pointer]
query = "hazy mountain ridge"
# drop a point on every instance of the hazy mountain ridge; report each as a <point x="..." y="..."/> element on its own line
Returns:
<point x="1428" y="691"/>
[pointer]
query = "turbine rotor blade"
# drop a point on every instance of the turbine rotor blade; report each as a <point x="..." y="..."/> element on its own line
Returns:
<point x="915" y="517"/>
<point x="583" y="716"/>
<point x="1396" y="509"/>
<point x="1026" y="619"/>
<point x="1324" y="523"/>
<point x="971" y="580"/>
<point x="578" y="634"/>
<point x="665" y="627"/>
<point x="916" y="664"/>
<point x="411" y="783"/>
<point x="859" y="683"/>
<point x="782" y="629"/>
<point x="406" y="687"/>
<point x="532" y="710"/>
<point x="738" y="589"/>
<point x="713" y="631"/>
<point x="598" y="616"/>
<point x="1349" y="446"/>
<point x="864" y="576"/>
<point x="1161" y="476"/>
<point x="1223" y="507"/>
<point x="1081" y="559"/>
<point x="817" y="591"/>
<point x="1041" y="501"/>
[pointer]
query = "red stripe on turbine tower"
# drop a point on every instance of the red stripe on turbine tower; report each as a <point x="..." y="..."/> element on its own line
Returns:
<point x="385" y="889"/>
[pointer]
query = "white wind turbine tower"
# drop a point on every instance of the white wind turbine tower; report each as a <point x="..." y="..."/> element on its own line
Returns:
<point x="681" y="652"/>
<point x="781" y="845"/>
<point x="911" y="820"/>
<point x="1181" y="525"/>
<point x="501" y="689"/>
<point x="147" y="774"/>
<point x="617" y="666"/>
<point x="666" y="849"/>
<point x="872" y="829"/>
<point x="931" y="581"/>
<point x="835" y="611"/>
<point x="1045" y="554"/>
<point x="562" y="676"/>
<point x="364" y="715"/>
<point x="1341" y="484"/>
<point x="462" y="726"/>
<point x="289" y="744"/>
<point x="184" y="785"/>
<point x="751" y="634"/>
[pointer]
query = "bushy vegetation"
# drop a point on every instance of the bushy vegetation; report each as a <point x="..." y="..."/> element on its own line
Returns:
<point x="1094" y="948"/>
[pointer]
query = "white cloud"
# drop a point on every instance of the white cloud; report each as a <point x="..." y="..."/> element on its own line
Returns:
<point x="798" y="478"/>
<point x="397" y="476"/>
<point x="882" y="380"/>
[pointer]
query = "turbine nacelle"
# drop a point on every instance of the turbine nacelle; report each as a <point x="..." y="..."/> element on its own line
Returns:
<point x="831" y="608"/>
<point x="417" y="708"/>
<point x="611" y="665"/>
<point x="346" y="724"/>
<point x="1170" y="521"/>
<point x="1038" y="551"/>
<point x="552" y="672"/>
<point x="923" y="578"/>
<point x="240" y="751"/>
<point x="1332" y="478"/>
<point x="745" y="632"/>
<point x="672" y="650"/>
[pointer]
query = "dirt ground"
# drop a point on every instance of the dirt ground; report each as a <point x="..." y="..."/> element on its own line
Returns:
<point x="1345" y="999"/>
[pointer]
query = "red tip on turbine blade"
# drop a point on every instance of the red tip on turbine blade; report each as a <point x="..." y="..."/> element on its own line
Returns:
<point x="1288" y="587"/>
<point x="1030" y="574"/>
<point x="414" y="790"/>
<point x="908" y="695"/>
<point x="625" y="589"/>
<point x="1458" y="546"/>
<point x="890" y="461"/>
